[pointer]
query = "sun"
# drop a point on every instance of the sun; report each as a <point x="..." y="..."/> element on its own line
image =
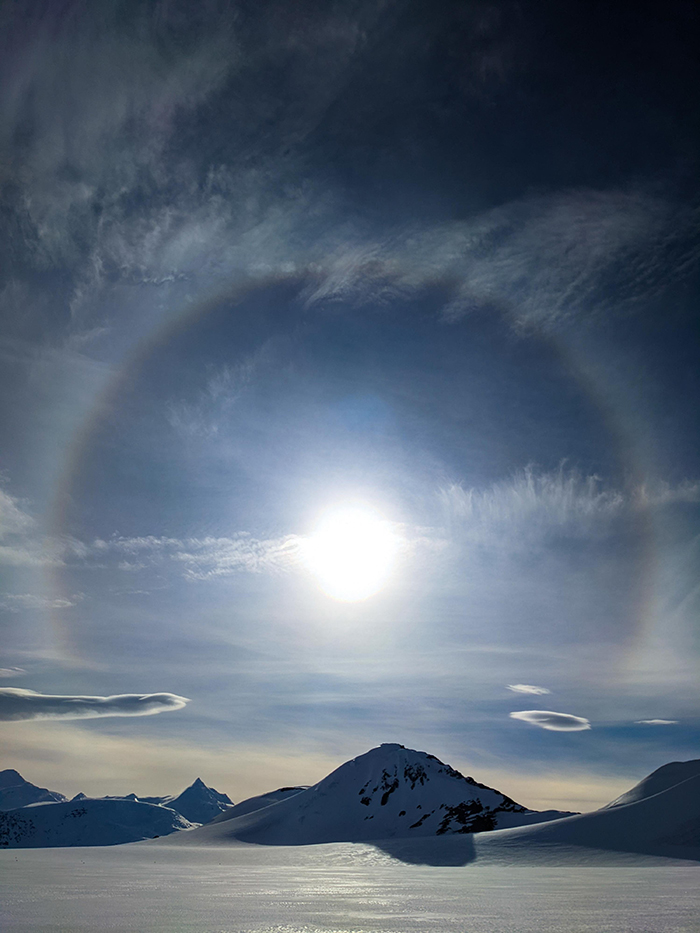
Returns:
<point x="351" y="553"/>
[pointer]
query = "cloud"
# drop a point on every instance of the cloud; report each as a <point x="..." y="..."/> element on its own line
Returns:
<point x="538" y="260"/>
<point x="6" y="672"/>
<point x="13" y="518"/>
<point x="208" y="557"/>
<point x="528" y="688"/>
<point x="656" y="722"/>
<point x="22" y="546"/>
<point x="19" y="704"/>
<point x="533" y="505"/>
<point x="555" y="722"/>
<point x="16" y="601"/>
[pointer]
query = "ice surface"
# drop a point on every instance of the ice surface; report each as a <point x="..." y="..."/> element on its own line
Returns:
<point x="331" y="888"/>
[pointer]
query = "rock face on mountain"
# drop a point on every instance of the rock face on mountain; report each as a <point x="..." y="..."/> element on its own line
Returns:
<point x="389" y="792"/>
<point x="199" y="803"/>
<point x="662" y="779"/>
<point x="87" y="822"/>
<point x="16" y="792"/>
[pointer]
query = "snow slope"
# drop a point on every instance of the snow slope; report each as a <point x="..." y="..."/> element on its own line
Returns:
<point x="388" y="792"/>
<point x="258" y="802"/>
<point x="16" y="792"/>
<point x="663" y="778"/>
<point x="87" y="822"/>
<point x="665" y="824"/>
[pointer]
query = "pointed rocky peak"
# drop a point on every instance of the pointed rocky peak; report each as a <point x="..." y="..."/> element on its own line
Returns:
<point x="199" y="803"/>
<point x="15" y="791"/>
<point x="10" y="778"/>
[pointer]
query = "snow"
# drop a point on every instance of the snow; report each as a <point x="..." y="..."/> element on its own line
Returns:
<point x="666" y="823"/>
<point x="665" y="777"/>
<point x="86" y="822"/>
<point x="41" y="819"/>
<point x="155" y="888"/>
<point x="16" y="792"/>
<point x="199" y="803"/>
<point x="390" y="791"/>
<point x="632" y="866"/>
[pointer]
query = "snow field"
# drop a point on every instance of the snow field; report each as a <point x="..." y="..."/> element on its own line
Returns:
<point x="336" y="888"/>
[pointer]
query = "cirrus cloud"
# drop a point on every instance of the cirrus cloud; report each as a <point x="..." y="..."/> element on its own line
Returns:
<point x="555" y="722"/>
<point x="20" y="704"/>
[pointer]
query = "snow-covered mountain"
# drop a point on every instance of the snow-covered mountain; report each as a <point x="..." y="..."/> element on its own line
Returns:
<point x="16" y="792"/>
<point x="389" y="792"/>
<point x="199" y="803"/>
<point x="87" y="822"/>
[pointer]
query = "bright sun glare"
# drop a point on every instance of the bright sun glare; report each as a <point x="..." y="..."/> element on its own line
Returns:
<point x="351" y="553"/>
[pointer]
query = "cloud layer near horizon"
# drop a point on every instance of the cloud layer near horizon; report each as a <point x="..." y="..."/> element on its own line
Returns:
<point x="555" y="722"/>
<point x="20" y="704"/>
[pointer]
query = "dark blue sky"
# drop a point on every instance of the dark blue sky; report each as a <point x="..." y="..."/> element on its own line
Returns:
<point x="264" y="262"/>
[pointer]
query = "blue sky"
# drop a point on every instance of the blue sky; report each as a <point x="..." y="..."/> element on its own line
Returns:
<point x="263" y="263"/>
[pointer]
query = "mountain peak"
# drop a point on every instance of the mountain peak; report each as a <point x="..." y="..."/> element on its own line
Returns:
<point x="10" y="778"/>
<point x="199" y="803"/>
<point x="15" y="791"/>
<point x="388" y="792"/>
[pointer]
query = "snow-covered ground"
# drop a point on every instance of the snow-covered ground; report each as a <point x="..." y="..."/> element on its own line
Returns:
<point x="358" y="887"/>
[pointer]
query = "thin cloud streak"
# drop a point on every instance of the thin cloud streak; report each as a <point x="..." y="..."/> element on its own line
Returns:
<point x="19" y="704"/>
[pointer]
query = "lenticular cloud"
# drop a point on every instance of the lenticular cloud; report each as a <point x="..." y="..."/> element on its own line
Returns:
<point x="556" y="722"/>
<point x="528" y="688"/>
<point x="17" y="704"/>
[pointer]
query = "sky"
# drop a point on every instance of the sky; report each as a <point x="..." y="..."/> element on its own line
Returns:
<point x="348" y="395"/>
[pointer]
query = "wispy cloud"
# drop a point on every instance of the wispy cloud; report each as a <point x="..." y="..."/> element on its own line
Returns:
<point x="539" y="260"/>
<point x="528" y="688"/>
<point x="207" y="557"/>
<point x="7" y="672"/>
<point x="16" y="601"/>
<point x="21" y="545"/>
<point x="202" y="416"/>
<point x="533" y="505"/>
<point x="20" y="704"/>
<point x="554" y="722"/>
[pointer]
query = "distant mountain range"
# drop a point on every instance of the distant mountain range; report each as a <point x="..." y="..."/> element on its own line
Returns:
<point x="32" y="816"/>
<point x="389" y="793"/>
